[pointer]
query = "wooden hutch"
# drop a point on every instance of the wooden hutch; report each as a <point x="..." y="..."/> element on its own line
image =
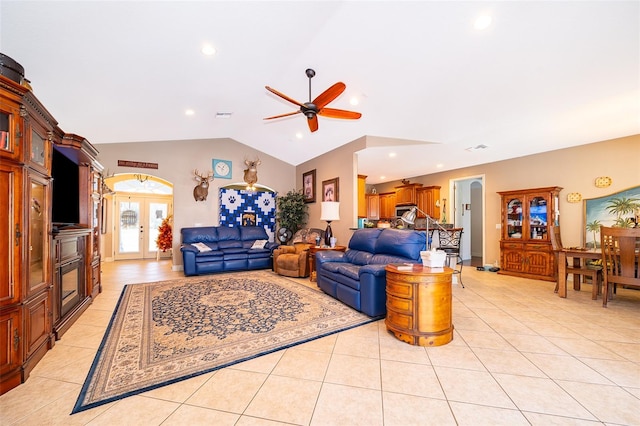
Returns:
<point x="45" y="177"/>
<point x="525" y="243"/>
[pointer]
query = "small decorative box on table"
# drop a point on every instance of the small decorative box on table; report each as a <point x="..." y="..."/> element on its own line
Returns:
<point x="419" y="304"/>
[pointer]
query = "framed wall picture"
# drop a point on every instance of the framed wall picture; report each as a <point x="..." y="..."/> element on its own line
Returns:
<point x="309" y="186"/>
<point x="620" y="209"/>
<point x="249" y="218"/>
<point x="331" y="190"/>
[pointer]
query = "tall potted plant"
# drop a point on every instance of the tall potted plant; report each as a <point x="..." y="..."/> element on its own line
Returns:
<point x="292" y="214"/>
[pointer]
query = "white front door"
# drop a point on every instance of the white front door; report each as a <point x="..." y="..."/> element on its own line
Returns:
<point x="139" y="217"/>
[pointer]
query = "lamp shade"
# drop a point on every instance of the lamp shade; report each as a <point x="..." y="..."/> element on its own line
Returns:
<point x="410" y="216"/>
<point x="330" y="210"/>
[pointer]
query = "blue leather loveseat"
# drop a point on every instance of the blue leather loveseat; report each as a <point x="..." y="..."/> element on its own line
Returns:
<point x="210" y="249"/>
<point x="357" y="277"/>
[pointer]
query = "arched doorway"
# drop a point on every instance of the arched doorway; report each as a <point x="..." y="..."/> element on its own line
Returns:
<point x="467" y="212"/>
<point x="138" y="204"/>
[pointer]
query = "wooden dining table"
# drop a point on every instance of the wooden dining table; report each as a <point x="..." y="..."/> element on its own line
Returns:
<point x="579" y="256"/>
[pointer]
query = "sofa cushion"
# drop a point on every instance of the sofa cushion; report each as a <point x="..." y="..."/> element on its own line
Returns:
<point x="209" y="256"/>
<point x="227" y="233"/>
<point x="259" y="244"/>
<point x="349" y="270"/>
<point x="307" y="235"/>
<point x="365" y="239"/>
<point x="201" y="247"/>
<point x="402" y="243"/>
<point x="202" y="234"/>
<point x="358" y="257"/>
<point x="252" y="233"/>
<point x="234" y="250"/>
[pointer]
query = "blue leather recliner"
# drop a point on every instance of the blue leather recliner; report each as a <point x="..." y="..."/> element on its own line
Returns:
<point x="357" y="277"/>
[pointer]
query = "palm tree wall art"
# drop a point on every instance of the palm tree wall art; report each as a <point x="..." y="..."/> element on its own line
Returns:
<point x="621" y="209"/>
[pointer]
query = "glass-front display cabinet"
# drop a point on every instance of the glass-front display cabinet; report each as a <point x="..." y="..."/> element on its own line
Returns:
<point x="525" y="246"/>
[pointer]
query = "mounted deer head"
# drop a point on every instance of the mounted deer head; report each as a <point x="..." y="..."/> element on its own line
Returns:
<point x="251" y="172"/>
<point x="201" y="190"/>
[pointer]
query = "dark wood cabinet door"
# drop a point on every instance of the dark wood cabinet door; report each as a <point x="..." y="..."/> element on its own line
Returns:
<point x="10" y="353"/>
<point x="11" y="242"/>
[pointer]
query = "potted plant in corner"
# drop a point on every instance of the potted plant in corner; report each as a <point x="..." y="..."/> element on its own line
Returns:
<point x="292" y="214"/>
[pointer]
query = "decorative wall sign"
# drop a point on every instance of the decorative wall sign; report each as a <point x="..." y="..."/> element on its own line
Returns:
<point x="138" y="164"/>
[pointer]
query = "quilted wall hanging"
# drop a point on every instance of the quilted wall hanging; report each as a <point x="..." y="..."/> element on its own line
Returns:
<point x="240" y="207"/>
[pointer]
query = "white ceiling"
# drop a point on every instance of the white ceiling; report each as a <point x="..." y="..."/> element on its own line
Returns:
<point x="543" y="76"/>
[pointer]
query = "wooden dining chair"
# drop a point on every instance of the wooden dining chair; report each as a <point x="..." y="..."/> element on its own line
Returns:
<point x="620" y="251"/>
<point x="592" y="272"/>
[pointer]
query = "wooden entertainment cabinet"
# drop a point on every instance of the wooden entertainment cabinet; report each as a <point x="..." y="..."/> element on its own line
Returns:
<point x="41" y="260"/>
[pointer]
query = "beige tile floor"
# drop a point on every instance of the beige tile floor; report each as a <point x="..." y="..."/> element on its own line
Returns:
<point x="520" y="356"/>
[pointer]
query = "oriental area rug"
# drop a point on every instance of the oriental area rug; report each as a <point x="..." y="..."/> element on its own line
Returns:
<point x="168" y="331"/>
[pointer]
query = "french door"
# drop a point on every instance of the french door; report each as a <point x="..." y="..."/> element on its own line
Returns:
<point x="139" y="217"/>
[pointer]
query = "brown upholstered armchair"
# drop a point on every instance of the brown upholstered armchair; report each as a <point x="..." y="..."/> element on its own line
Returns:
<point x="292" y="261"/>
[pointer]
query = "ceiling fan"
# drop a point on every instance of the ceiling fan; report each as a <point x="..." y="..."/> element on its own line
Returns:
<point x="316" y="107"/>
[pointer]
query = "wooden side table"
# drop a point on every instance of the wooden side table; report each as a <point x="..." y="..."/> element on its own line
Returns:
<point x="312" y="258"/>
<point x="419" y="304"/>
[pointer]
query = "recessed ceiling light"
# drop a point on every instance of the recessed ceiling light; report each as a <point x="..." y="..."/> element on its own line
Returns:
<point x="189" y="112"/>
<point x="482" y="22"/>
<point x="223" y="115"/>
<point x="439" y="165"/>
<point x="208" y="50"/>
<point x="392" y="154"/>
<point x="299" y="135"/>
<point x="383" y="177"/>
<point x="354" y="101"/>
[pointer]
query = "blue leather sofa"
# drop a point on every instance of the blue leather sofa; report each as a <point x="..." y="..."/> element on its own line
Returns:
<point x="210" y="249"/>
<point x="357" y="277"/>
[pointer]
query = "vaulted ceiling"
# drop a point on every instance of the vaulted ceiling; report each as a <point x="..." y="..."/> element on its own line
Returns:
<point x="541" y="76"/>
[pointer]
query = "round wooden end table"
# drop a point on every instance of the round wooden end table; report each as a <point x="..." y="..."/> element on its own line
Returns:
<point x="312" y="258"/>
<point x="419" y="304"/>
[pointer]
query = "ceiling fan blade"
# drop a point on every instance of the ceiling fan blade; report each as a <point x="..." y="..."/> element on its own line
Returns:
<point x="313" y="123"/>
<point x="283" y="96"/>
<point x="282" y="115"/>
<point x="339" y="113"/>
<point x="328" y="95"/>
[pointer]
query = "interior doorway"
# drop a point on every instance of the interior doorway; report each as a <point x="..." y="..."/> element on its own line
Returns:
<point x="468" y="210"/>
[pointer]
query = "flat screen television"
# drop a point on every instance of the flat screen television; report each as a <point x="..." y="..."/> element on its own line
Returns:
<point x="65" y="208"/>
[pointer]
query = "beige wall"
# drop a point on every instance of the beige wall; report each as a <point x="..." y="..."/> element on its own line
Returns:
<point x="573" y="169"/>
<point x="340" y="163"/>
<point x="176" y="162"/>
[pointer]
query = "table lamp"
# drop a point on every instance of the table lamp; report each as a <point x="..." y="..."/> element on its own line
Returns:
<point x="329" y="211"/>
<point x="410" y="218"/>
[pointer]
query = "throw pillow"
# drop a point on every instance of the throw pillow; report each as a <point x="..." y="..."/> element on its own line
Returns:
<point x="258" y="244"/>
<point x="201" y="247"/>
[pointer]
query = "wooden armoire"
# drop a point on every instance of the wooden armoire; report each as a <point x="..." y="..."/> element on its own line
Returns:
<point x="49" y="213"/>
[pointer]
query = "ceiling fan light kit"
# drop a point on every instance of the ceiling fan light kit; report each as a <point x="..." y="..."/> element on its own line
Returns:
<point x="312" y="109"/>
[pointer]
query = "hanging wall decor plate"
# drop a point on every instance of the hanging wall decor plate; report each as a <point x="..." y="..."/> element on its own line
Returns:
<point x="603" y="181"/>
